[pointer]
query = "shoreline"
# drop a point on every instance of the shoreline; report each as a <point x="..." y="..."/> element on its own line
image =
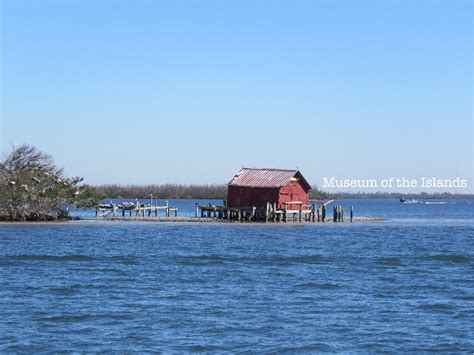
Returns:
<point x="188" y="220"/>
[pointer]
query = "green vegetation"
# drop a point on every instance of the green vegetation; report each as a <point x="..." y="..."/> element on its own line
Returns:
<point x="32" y="188"/>
<point x="165" y="191"/>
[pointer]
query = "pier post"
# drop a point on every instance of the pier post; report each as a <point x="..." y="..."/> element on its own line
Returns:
<point x="352" y="212"/>
<point x="285" y="207"/>
<point x="197" y="209"/>
<point x="300" y="213"/>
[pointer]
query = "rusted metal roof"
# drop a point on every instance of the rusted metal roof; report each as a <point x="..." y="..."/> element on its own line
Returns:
<point x="255" y="177"/>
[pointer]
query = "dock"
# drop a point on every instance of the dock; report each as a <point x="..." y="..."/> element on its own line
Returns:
<point x="140" y="210"/>
<point x="292" y="212"/>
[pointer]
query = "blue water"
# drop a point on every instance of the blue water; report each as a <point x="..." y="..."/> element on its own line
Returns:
<point x="402" y="285"/>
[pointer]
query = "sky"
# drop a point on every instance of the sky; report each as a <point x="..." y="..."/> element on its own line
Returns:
<point x="151" y="92"/>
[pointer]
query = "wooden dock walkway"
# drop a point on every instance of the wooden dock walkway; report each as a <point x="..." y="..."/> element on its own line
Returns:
<point x="140" y="210"/>
<point x="292" y="212"/>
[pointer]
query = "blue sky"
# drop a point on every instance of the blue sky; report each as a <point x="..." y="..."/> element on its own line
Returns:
<point x="190" y="91"/>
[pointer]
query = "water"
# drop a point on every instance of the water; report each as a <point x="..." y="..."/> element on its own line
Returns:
<point x="406" y="284"/>
<point x="390" y="209"/>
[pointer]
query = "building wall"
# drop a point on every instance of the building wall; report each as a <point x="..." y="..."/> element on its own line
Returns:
<point x="293" y="191"/>
<point x="242" y="196"/>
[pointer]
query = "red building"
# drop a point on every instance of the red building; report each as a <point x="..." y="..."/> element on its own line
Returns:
<point x="256" y="187"/>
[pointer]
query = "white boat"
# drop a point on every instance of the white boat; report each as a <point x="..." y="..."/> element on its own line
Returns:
<point x="402" y="200"/>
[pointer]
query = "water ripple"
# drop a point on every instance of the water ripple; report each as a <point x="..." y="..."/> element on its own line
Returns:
<point x="171" y="288"/>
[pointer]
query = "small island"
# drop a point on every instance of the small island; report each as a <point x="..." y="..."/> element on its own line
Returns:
<point x="32" y="188"/>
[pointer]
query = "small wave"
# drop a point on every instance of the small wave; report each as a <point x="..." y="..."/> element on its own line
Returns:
<point x="436" y="307"/>
<point x="76" y="318"/>
<point x="109" y="270"/>
<point x="465" y="297"/>
<point x="126" y="260"/>
<point x="65" y="290"/>
<point x="267" y="260"/>
<point x="74" y="257"/>
<point x="68" y="318"/>
<point x="200" y="348"/>
<point x="389" y="261"/>
<point x="452" y="258"/>
<point x="324" y="286"/>
<point x="201" y="260"/>
<point x="118" y="317"/>
<point x="300" y="259"/>
<point x="209" y="258"/>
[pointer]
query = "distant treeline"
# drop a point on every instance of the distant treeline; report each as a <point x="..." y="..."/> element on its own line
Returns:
<point x="165" y="191"/>
<point x="171" y="191"/>
<point x="219" y="191"/>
